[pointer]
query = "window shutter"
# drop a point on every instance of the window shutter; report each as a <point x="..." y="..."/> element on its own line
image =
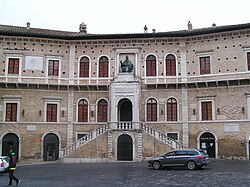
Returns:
<point x="154" y="112"/>
<point x="209" y="110"/>
<point x="56" y="68"/>
<point x="80" y="113"/>
<point x="53" y="67"/>
<point x="205" y="65"/>
<point x="11" y="112"/>
<point x="51" y="112"/>
<point x="151" y="110"/>
<point x="83" y="111"/>
<point x="103" y="67"/>
<point x="150" y="66"/>
<point x="170" y="65"/>
<point x="13" y="66"/>
<point x="84" y="67"/>
<point x="172" y="110"/>
<point x="102" y="111"/>
<point x="206" y="108"/>
<point x="50" y="70"/>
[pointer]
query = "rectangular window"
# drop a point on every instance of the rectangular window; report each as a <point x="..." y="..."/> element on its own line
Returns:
<point x="248" y="61"/>
<point x="80" y="136"/>
<point x="205" y="65"/>
<point x="206" y="110"/>
<point x="53" y="67"/>
<point x="51" y="112"/>
<point x="13" y="66"/>
<point x="11" y="112"/>
<point x="174" y="136"/>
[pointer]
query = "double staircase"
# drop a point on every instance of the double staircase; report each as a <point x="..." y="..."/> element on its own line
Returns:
<point x="105" y="128"/>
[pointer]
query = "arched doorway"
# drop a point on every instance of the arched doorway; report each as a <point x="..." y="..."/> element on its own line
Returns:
<point x="10" y="140"/>
<point x="125" y="148"/>
<point x="50" y="147"/>
<point x="207" y="142"/>
<point x="125" y="110"/>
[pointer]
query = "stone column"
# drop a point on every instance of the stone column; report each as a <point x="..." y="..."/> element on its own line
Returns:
<point x="183" y="60"/>
<point x="70" y="117"/>
<point x="71" y="63"/>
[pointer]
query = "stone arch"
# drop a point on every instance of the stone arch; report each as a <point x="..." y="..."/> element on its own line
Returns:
<point x="209" y="141"/>
<point x="10" y="139"/>
<point x="51" y="144"/>
<point x="125" y="147"/>
<point x="125" y="110"/>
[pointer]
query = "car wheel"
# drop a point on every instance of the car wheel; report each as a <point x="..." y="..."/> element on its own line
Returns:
<point x="157" y="165"/>
<point x="191" y="165"/>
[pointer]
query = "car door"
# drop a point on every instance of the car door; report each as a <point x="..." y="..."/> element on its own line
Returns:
<point x="181" y="158"/>
<point x="168" y="158"/>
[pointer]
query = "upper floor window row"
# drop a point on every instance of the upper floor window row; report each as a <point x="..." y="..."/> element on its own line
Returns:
<point x="53" y="65"/>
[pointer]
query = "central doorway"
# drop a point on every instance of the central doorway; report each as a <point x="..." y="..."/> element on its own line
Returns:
<point x="125" y="148"/>
<point x="125" y="110"/>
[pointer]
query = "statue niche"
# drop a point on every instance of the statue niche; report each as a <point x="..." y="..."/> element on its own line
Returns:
<point x="126" y="65"/>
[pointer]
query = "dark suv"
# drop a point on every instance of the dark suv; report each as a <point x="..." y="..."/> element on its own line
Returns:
<point x="190" y="158"/>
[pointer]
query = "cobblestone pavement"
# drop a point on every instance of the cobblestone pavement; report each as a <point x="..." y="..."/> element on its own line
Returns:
<point x="130" y="174"/>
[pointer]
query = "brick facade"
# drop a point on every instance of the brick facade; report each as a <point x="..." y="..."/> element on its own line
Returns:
<point x="226" y="87"/>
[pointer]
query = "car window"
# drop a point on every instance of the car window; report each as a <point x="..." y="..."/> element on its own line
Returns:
<point x="193" y="153"/>
<point x="203" y="152"/>
<point x="181" y="153"/>
<point x="170" y="154"/>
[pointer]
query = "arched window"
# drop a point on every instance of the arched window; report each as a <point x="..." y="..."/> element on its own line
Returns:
<point x="170" y="65"/>
<point x="83" y="111"/>
<point x="151" y="66"/>
<point x="102" y="111"/>
<point x="84" y="67"/>
<point x="152" y="110"/>
<point x="103" y="67"/>
<point x="171" y="109"/>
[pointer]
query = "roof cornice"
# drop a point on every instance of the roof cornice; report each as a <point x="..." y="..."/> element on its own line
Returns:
<point x="7" y="30"/>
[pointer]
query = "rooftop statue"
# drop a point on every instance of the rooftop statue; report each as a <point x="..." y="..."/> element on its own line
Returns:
<point x="126" y="65"/>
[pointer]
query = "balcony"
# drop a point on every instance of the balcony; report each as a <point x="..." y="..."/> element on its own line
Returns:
<point x="124" y="125"/>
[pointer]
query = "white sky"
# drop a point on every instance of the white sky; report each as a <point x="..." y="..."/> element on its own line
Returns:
<point x="127" y="16"/>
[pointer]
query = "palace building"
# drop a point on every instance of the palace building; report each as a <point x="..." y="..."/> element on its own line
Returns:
<point x="78" y="97"/>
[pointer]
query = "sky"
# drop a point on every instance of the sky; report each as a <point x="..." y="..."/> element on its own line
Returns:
<point x="121" y="17"/>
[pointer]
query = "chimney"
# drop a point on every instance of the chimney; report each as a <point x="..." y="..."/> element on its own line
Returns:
<point x="153" y="30"/>
<point x="28" y="25"/>
<point x="190" y="26"/>
<point x="145" y="29"/>
<point x="83" y="28"/>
